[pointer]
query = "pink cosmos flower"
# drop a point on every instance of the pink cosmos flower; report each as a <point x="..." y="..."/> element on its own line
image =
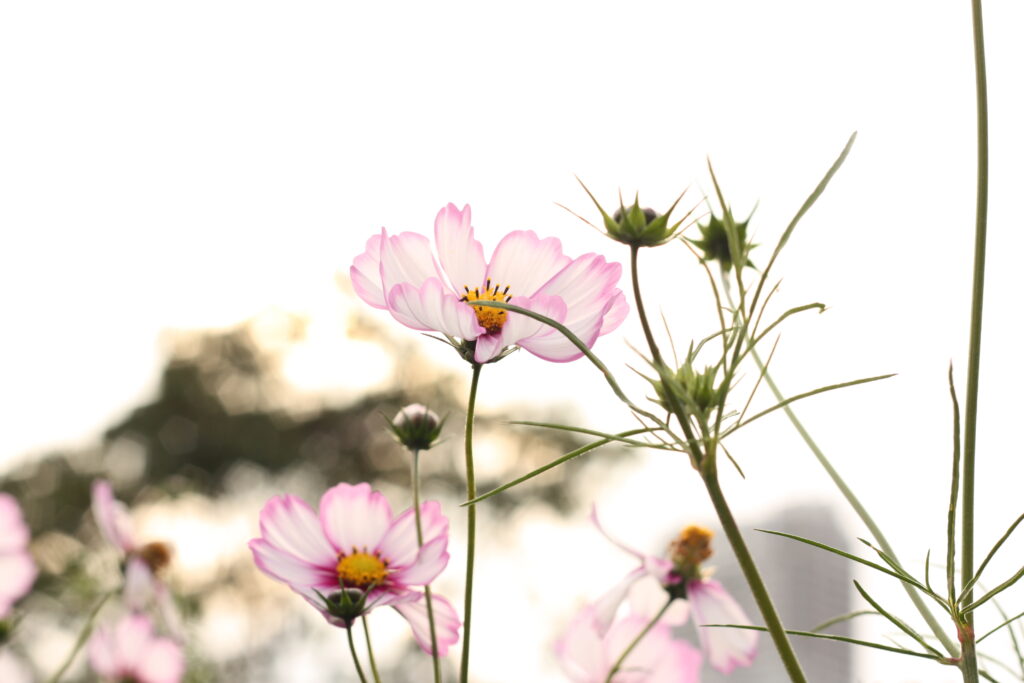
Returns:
<point x="725" y="648"/>
<point x="17" y="568"/>
<point x="129" y="651"/>
<point x="143" y="562"/>
<point x="355" y="556"/>
<point x="589" y="649"/>
<point x="449" y="294"/>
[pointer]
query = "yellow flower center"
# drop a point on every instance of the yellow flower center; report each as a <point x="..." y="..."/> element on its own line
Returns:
<point x="690" y="548"/>
<point x="360" y="570"/>
<point x="491" y="319"/>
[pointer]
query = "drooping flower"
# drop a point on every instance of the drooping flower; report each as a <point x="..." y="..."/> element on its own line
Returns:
<point x="17" y="568"/>
<point x="589" y="649"/>
<point x="354" y="556"/>
<point x="682" y="577"/>
<point x="129" y="651"/>
<point x="143" y="562"/>
<point x="449" y="294"/>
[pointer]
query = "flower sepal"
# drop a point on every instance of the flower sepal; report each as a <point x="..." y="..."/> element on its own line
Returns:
<point x="346" y="604"/>
<point x="640" y="227"/>
<point x="417" y="427"/>
<point x="724" y="240"/>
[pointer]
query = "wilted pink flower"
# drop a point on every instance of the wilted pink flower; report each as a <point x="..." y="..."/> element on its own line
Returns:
<point x="398" y="273"/>
<point x="356" y="556"/>
<point x="17" y="568"/>
<point x="143" y="562"/>
<point x="589" y="649"/>
<point x="725" y="648"/>
<point x="129" y="651"/>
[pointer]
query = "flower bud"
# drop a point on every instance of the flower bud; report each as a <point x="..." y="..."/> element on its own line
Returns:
<point x="691" y="389"/>
<point x="639" y="227"/>
<point x="417" y="427"/>
<point x="714" y="241"/>
<point x="345" y="605"/>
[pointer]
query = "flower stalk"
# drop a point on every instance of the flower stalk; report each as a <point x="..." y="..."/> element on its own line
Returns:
<point x="636" y="641"/>
<point x="467" y="609"/>
<point x="419" y="540"/>
<point x="355" y="657"/>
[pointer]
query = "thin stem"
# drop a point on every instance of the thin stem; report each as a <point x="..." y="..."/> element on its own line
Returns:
<point x="655" y="353"/>
<point x="419" y="541"/>
<point x="859" y="508"/>
<point x="369" y="649"/>
<point x="82" y="637"/>
<point x="636" y="641"/>
<point x="969" y="662"/>
<point x="757" y="587"/>
<point x="355" y="657"/>
<point x="974" y="350"/>
<point x="467" y="610"/>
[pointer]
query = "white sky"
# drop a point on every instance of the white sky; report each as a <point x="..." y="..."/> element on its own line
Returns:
<point x="187" y="165"/>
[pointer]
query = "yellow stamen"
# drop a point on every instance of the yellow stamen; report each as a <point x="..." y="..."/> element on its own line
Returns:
<point x="690" y="548"/>
<point x="360" y="570"/>
<point x="491" y="319"/>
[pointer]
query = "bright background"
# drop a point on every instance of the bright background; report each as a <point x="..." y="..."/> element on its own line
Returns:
<point x="188" y="165"/>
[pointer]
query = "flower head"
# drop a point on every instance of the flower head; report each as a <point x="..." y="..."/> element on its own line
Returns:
<point x="417" y="427"/>
<point x="354" y="556"/>
<point x="129" y="651"/>
<point x="681" y="577"/>
<point x="143" y="562"/>
<point x="450" y="294"/>
<point x="714" y="242"/>
<point x="17" y="568"/>
<point x="589" y="649"/>
<point x="640" y="227"/>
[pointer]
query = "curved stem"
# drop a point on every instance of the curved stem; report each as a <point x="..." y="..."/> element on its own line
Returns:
<point x="419" y="540"/>
<point x="858" y="508"/>
<point x="974" y="350"/>
<point x="636" y="641"/>
<point x="655" y="353"/>
<point x="369" y="649"/>
<point x="82" y="637"/>
<point x="355" y="657"/>
<point x="467" y="609"/>
<point x="764" y="602"/>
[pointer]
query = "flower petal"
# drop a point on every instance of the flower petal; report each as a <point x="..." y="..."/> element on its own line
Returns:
<point x="616" y="542"/>
<point x="111" y="517"/>
<point x="354" y="517"/>
<point x="608" y="604"/>
<point x="289" y="523"/>
<point x="657" y="657"/>
<point x="433" y="307"/>
<point x="405" y="258"/>
<point x="14" y="533"/>
<point x="17" y="574"/>
<point x="400" y="545"/>
<point x="289" y="569"/>
<point x="431" y="561"/>
<point x="614" y="316"/>
<point x="524" y="262"/>
<point x="647" y="597"/>
<point x="446" y="623"/>
<point x="461" y="256"/>
<point x="580" y="650"/>
<point x="519" y="327"/>
<point x="139" y="584"/>
<point x="365" y="274"/>
<point x="555" y="347"/>
<point x="726" y="648"/>
<point x="161" y="662"/>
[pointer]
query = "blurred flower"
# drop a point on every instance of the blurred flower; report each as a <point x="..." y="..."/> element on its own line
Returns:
<point x="17" y="568"/>
<point x="681" y="577"/>
<point x="417" y="427"/>
<point x="589" y="649"/>
<point x="399" y="274"/>
<point x="355" y="556"/>
<point x="129" y="651"/>
<point x="143" y="563"/>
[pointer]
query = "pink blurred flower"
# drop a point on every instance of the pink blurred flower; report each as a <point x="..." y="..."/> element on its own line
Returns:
<point x="725" y="648"/>
<point x="589" y="649"/>
<point x="449" y="294"/>
<point x="17" y="568"/>
<point x="143" y="562"/>
<point x="128" y="650"/>
<point x="355" y="556"/>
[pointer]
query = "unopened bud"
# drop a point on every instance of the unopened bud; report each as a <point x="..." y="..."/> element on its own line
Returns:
<point x="640" y="227"/>
<point x="714" y="241"/>
<point x="417" y="427"/>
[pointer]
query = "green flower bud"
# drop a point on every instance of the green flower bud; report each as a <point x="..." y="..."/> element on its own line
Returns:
<point x="714" y="241"/>
<point x="345" y="605"/>
<point x="417" y="427"/>
<point x="639" y="227"/>
<point x="690" y="388"/>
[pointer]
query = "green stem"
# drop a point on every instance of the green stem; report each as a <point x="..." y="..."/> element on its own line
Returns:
<point x="82" y="637"/>
<point x="419" y="541"/>
<point x="974" y="350"/>
<point x="369" y="649"/>
<point x="636" y="641"/>
<point x="655" y="353"/>
<point x="859" y="508"/>
<point x="467" y="609"/>
<point x="355" y="657"/>
<point x="969" y="662"/>
<point x="757" y="587"/>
